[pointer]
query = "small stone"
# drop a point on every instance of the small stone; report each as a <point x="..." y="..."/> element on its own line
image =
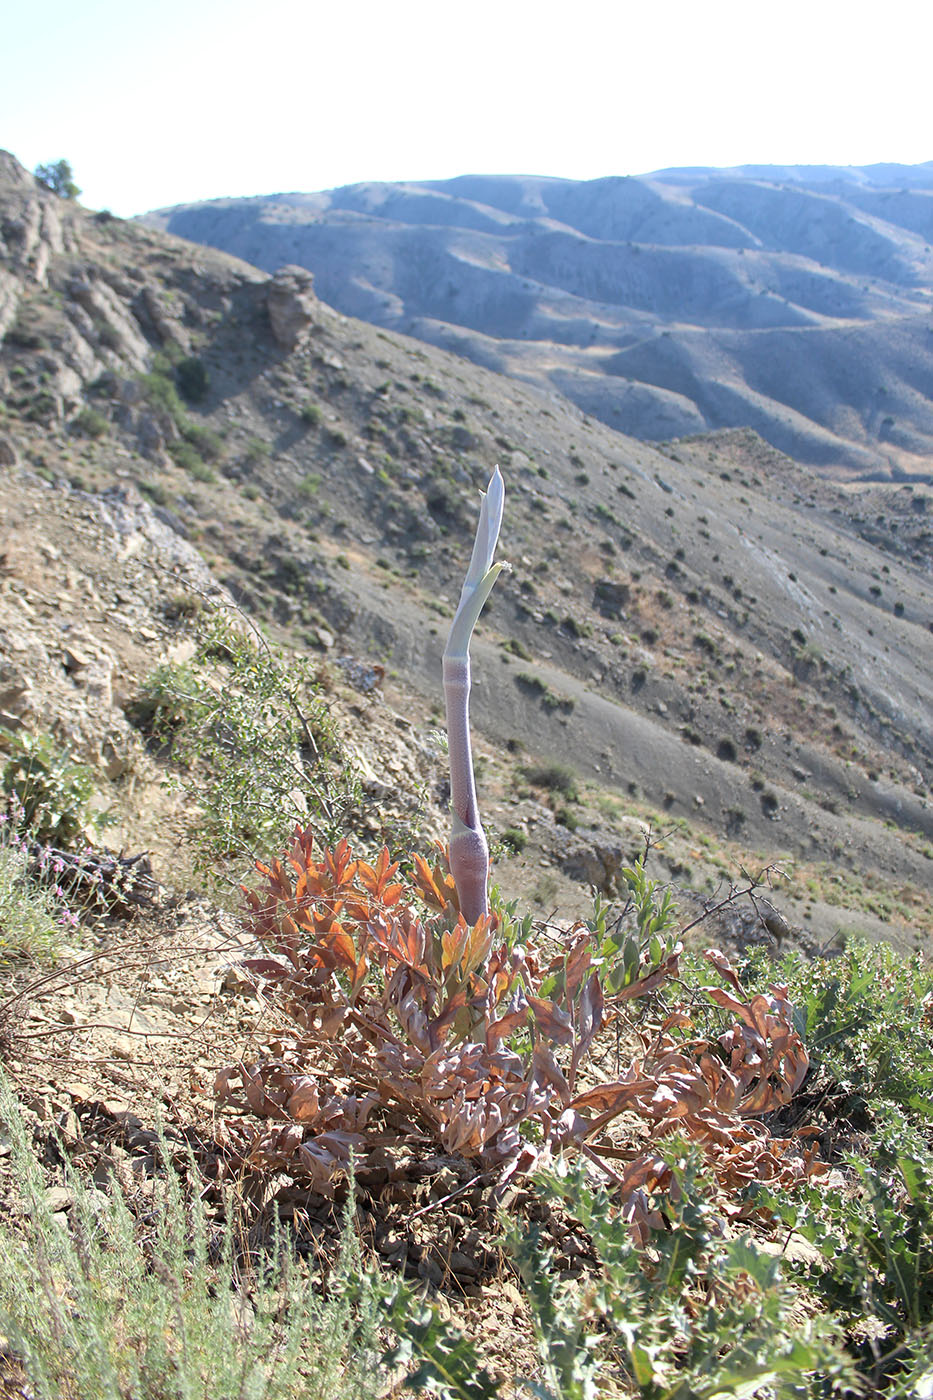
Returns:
<point x="59" y="1198"/>
<point x="463" y="1265"/>
<point x="445" y="1182"/>
<point x="430" y="1271"/>
<point x="115" y="1108"/>
<point x="236" y="980"/>
<point x="74" y="660"/>
<point x="70" y="1128"/>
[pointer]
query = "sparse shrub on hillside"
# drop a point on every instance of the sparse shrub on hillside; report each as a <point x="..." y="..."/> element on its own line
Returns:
<point x="514" y="839"/>
<point x="309" y="485"/>
<point x="155" y="491"/>
<point x="555" y="777"/>
<point x="208" y="443"/>
<point x="311" y="413"/>
<point x="249" y="728"/>
<point x="58" y="177"/>
<point x="190" y="460"/>
<point x="161" y="391"/>
<point x="193" y="379"/>
<point x="196" y="443"/>
<point x="45" y="793"/>
<point x="534" y="686"/>
<point x="91" y="423"/>
<point x="256" y="452"/>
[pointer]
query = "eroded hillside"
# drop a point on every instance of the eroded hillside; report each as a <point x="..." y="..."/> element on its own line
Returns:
<point x="794" y="301"/>
<point x="708" y="636"/>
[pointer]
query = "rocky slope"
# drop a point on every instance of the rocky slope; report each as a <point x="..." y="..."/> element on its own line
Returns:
<point x="715" y="640"/>
<point x="796" y="301"/>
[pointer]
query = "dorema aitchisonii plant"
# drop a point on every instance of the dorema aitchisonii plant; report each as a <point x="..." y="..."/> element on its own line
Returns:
<point x="469" y="850"/>
<point x="413" y="1009"/>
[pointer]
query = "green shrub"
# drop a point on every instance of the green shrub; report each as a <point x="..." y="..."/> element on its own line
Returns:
<point x="514" y="839"/>
<point x="161" y="392"/>
<point x="208" y="443"/>
<point x="255" y="452"/>
<point x="248" y="730"/>
<point x="32" y="923"/>
<point x="155" y="491"/>
<point x="91" y="423"/>
<point x="311" y="413"/>
<point x="45" y="792"/>
<point x="190" y="460"/>
<point x="698" y="1315"/>
<point x="555" y="777"/>
<point x="192" y="378"/>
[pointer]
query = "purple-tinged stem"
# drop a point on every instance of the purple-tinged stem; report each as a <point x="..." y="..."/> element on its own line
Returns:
<point x="469" y="852"/>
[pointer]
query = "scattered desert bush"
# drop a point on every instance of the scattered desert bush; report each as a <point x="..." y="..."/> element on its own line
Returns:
<point x="91" y="423"/>
<point x="514" y="839"/>
<point x="247" y="727"/>
<point x="32" y="918"/>
<point x="43" y="791"/>
<point x="192" y="378"/>
<point x="555" y="777"/>
<point x="161" y="387"/>
<point x="535" y="687"/>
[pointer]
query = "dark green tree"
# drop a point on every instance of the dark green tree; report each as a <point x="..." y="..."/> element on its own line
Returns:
<point x="59" y="178"/>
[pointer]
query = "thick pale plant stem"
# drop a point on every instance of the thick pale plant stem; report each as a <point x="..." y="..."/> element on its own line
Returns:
<point x="469" y="852"/>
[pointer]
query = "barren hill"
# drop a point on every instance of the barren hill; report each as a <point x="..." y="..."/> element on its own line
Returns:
<point x="795" y="301"/>
<point x="713" y="638"/>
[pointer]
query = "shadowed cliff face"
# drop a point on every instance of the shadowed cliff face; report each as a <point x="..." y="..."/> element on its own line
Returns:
<point x="795" y="301"/>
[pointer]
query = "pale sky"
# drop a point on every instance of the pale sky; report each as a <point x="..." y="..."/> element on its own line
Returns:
<point x="158" y="104"/>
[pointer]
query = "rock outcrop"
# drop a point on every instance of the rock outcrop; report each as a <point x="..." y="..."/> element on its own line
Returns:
<point x="290" y="301"/>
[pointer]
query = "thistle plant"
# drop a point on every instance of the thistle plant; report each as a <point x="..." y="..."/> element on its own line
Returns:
<point x="469" y="850"/>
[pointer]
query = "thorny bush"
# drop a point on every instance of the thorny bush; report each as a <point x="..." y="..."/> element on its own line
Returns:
<point x="413" y="1027"/>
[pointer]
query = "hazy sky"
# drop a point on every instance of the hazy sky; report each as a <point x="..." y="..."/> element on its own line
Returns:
<point x="156" y="104"/>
